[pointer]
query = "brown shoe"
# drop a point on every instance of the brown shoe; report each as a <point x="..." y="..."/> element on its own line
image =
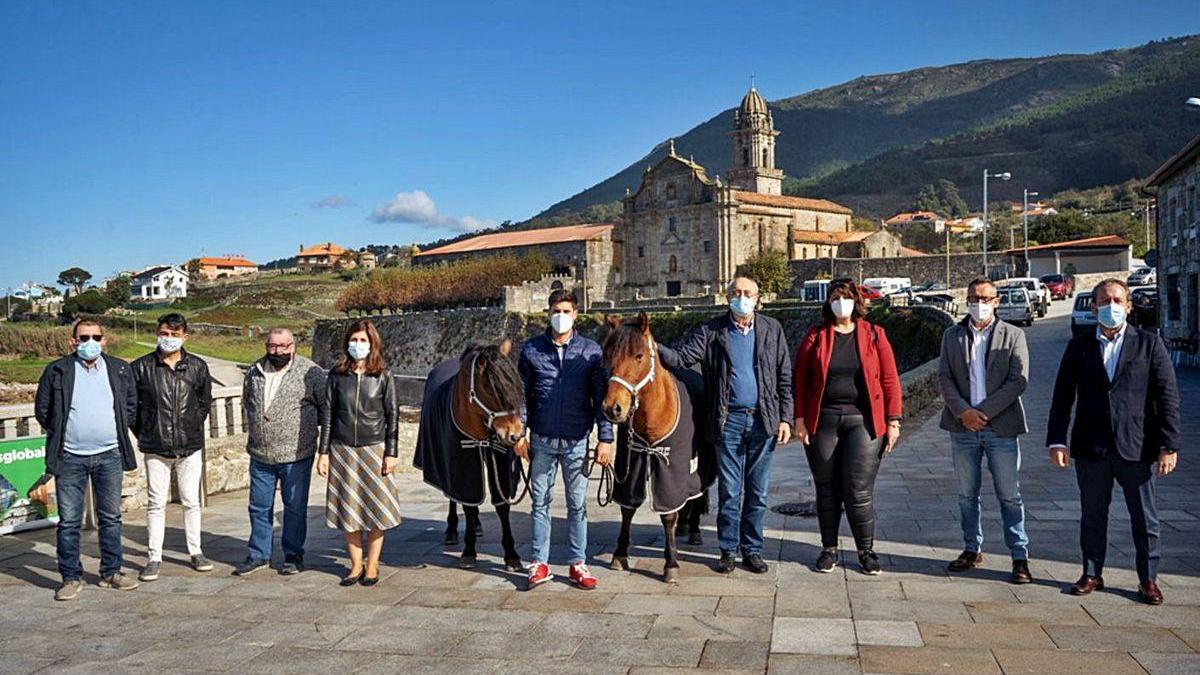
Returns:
<point x="1020" y="573"/>
<point x="119" y="581"/>
<point x="1149" y="593"/>
<point x="1087" y="584"/>
<point x="965" y="561"/>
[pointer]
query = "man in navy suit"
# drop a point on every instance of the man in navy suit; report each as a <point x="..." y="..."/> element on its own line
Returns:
<point x="1122" y="384"/>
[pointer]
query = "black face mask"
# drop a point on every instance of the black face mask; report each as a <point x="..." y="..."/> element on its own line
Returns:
<point x="279" y="360"/>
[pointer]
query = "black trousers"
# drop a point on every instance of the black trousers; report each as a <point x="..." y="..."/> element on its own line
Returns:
<point x="844" y="460"/>
<point x="1096" y="477"/>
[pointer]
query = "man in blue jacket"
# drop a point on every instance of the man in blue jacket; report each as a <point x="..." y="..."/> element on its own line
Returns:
<point x="565" y="382"/>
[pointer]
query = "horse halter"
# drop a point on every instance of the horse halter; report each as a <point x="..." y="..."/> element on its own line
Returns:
<point x="635" y="388"/>
<point x="478" y="402"/>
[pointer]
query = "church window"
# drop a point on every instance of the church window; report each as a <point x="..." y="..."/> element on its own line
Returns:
<point x="671" y="225"/>
<point x="673" y="266"/>
<point x="707" y="246"/>
<point x="641" y="252"/>
<point x="764" y="161"/>
<point x="745" y="157"/>
<point x="670" y="191"/>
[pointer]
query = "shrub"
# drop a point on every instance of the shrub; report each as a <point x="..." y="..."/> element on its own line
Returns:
<point x="472" y="282"/>
<point x="770" y="270"/>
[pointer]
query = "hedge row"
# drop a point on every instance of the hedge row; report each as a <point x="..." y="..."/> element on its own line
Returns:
<point x="472" y="283"/>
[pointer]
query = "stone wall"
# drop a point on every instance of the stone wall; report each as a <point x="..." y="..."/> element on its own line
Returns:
<point x="921" y="269"/>
<point x="533" y="296"/>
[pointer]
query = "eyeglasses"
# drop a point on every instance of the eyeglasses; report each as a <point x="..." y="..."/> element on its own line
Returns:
<point x="979" y="298"/>
<point x="85" y="338"/>
<point x="272" y="348"/>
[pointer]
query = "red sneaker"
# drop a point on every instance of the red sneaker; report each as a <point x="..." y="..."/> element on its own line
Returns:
<point x="582" y="577"/>
<point x="539" y="573"/>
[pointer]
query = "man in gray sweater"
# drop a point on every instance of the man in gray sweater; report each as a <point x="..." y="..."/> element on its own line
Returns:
<point x="283" y="395"/>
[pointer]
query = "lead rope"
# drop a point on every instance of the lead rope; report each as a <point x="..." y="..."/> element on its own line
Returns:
<point x="604" y="489"/>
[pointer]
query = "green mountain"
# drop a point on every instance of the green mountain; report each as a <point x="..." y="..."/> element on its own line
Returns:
<point x="1057" y="122"/>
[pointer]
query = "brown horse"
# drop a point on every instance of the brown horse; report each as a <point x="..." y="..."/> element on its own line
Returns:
<point x="470" y="419"/>
<point x="655" y="447"/>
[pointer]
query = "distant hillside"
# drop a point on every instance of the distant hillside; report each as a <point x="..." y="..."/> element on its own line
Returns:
<point x="1080" y="120"/>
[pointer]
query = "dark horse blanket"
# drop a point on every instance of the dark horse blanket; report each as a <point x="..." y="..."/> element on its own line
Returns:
<point x="464" y="470"/>
<point x="675" y="469"/>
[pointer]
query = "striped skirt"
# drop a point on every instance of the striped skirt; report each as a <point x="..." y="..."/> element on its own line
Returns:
<point x="359" y="497"/>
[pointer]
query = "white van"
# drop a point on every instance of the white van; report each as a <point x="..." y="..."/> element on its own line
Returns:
<point x="815" y="290"/>
<point x="888" y="285"/>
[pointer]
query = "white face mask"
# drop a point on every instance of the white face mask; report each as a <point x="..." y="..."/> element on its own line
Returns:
<point x="359" y="350"/>
<point x="842" y="308"/>
<point x="981" y="312"/>
<point x="561" y="323"/>
<point x="169" y="345"/>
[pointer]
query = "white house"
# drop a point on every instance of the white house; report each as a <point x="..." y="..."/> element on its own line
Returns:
<point x="161" y="282"/>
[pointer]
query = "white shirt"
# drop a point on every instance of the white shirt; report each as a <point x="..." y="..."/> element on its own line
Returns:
<point x="273" y="378"/>
<point x="977" y="360"/>
<point x="1111" y="350"/>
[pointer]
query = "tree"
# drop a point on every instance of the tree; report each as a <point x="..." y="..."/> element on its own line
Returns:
<point x="770" y="270"/>
<point x="91" y="301"/>
<point x="942" y="198"/>
<point x="192" y="267"/>
<point x="74" y="277"/>
<point x="118" y="290"/>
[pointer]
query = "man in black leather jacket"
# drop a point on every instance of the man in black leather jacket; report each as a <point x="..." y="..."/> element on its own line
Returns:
<point x="174" y="393"/>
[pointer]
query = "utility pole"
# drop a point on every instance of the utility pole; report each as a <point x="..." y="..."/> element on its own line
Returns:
<point x="947" y="231"/>
<point x="986" y="175"/>
<point x="1146" y="221"/>
<point x="1025" y="227"/>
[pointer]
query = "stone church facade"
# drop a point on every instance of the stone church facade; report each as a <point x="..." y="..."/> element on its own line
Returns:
<point x="685" y="233"/>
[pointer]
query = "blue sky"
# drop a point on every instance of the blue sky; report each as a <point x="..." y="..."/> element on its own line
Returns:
<point x="134" y="133"/>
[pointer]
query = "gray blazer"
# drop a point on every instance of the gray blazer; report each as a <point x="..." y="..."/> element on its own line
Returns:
<point x="288" y="430"/>
<point x="1007" y="377"/>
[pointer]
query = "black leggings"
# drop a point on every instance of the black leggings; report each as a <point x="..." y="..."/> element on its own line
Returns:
<point x="845" y="460"/>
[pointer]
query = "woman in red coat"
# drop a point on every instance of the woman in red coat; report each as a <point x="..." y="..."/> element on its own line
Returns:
<point x="848" y="412"/>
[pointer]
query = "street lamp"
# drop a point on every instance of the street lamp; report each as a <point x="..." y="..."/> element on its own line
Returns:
<point x="1193" y="102"/>
<point x="1025" y="227"/>
<point x="986" y="175"/>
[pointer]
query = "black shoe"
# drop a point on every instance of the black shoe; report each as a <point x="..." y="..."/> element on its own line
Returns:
<point x="726" y="564"/>
<point x="250" y="566"/>
<point x="827" y="560"/>
<point x="292" y="564"/>
<point x="351" y="580"/>
<point x="1021" y="573"/>
<point x="755" y="563"/>
<point x="965" y="561"/>
<point x="869" y="563"/>
<point x="369" y="581"/>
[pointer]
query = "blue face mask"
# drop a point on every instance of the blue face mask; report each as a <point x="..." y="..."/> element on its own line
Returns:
<point x="359" y="350"/>
<point x="742" y="306"/>
<point x="89" y="351"/>
<point x="1111" y="315"/>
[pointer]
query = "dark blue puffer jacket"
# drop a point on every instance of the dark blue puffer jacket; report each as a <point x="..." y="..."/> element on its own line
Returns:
<point x="564" y="402"/>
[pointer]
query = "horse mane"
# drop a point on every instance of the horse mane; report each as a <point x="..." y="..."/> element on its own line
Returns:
<point x="503" y="380"/>
<point x="623" y="340"/>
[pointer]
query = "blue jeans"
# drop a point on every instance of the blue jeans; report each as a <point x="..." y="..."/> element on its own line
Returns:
<point x="293" y="479"/>
<point x="545" y="455"/>
<point x="105" y="471"/>
<point x="1004" y="463"/>
<point x="744" y="455"/>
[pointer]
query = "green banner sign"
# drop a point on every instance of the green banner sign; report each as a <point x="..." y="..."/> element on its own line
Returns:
<point x="22" y="463"/>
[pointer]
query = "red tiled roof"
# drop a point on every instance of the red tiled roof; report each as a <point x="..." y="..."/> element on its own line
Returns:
<point x="547" y="235"/>
<point x="811" y="237"/>
<point x="328" y="248"/>
<point x="788" y="202"/>
<point x="1103" y="241"/>
<point x="228" y="261"/>
<point x="906" y="218"/>
<point x="906" y="252"/>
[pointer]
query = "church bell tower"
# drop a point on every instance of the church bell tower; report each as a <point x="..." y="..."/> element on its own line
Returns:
<point x="754" y="135"/>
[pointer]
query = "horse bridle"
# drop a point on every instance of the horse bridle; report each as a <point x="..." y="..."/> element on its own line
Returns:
<point x="492" y="415"/>
<point x="634" y="389"/>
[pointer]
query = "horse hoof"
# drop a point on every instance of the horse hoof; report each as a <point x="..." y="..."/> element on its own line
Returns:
<point x="621" y="564"/>
<point x="467" y="562"/>
<point x="514" y="565"/>
<point x="670" y="575"/>
<point x="451" y="539"/>
<point x="695" y="539"/>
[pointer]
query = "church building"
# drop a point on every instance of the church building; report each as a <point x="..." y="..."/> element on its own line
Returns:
<point x="685" y="233"/>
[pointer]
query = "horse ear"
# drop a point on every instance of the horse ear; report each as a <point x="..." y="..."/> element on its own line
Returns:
<point x="643" y="323"/>
<point x="613" y="321"/>
<point x="505" y="347"/>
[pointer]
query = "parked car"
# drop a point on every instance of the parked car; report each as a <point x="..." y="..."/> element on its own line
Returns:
<point x="1082" y="319"/>
<point x="943" y="301"/>
<point x="888" y="285"/>
<point x="1062" y="286"/>
<point x="869" y="293"/>
<point x="1145" y="307"/>
<point x="1039" y="293"/>
<point x="815" y="290"/>
<point x="1016" y="306"/>
<point x="930" y="286"/>
<point x="1142" y="276"/>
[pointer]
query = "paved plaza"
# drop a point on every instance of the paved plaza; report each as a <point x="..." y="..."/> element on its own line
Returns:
<point x="429" y="616"/>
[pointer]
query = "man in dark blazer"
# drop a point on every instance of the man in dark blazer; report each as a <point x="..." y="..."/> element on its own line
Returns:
<point x="1122" y="384"/>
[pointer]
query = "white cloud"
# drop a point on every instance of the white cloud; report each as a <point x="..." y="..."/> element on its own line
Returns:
<point x="416" y="207"/>
<point x="333" y="202"/>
